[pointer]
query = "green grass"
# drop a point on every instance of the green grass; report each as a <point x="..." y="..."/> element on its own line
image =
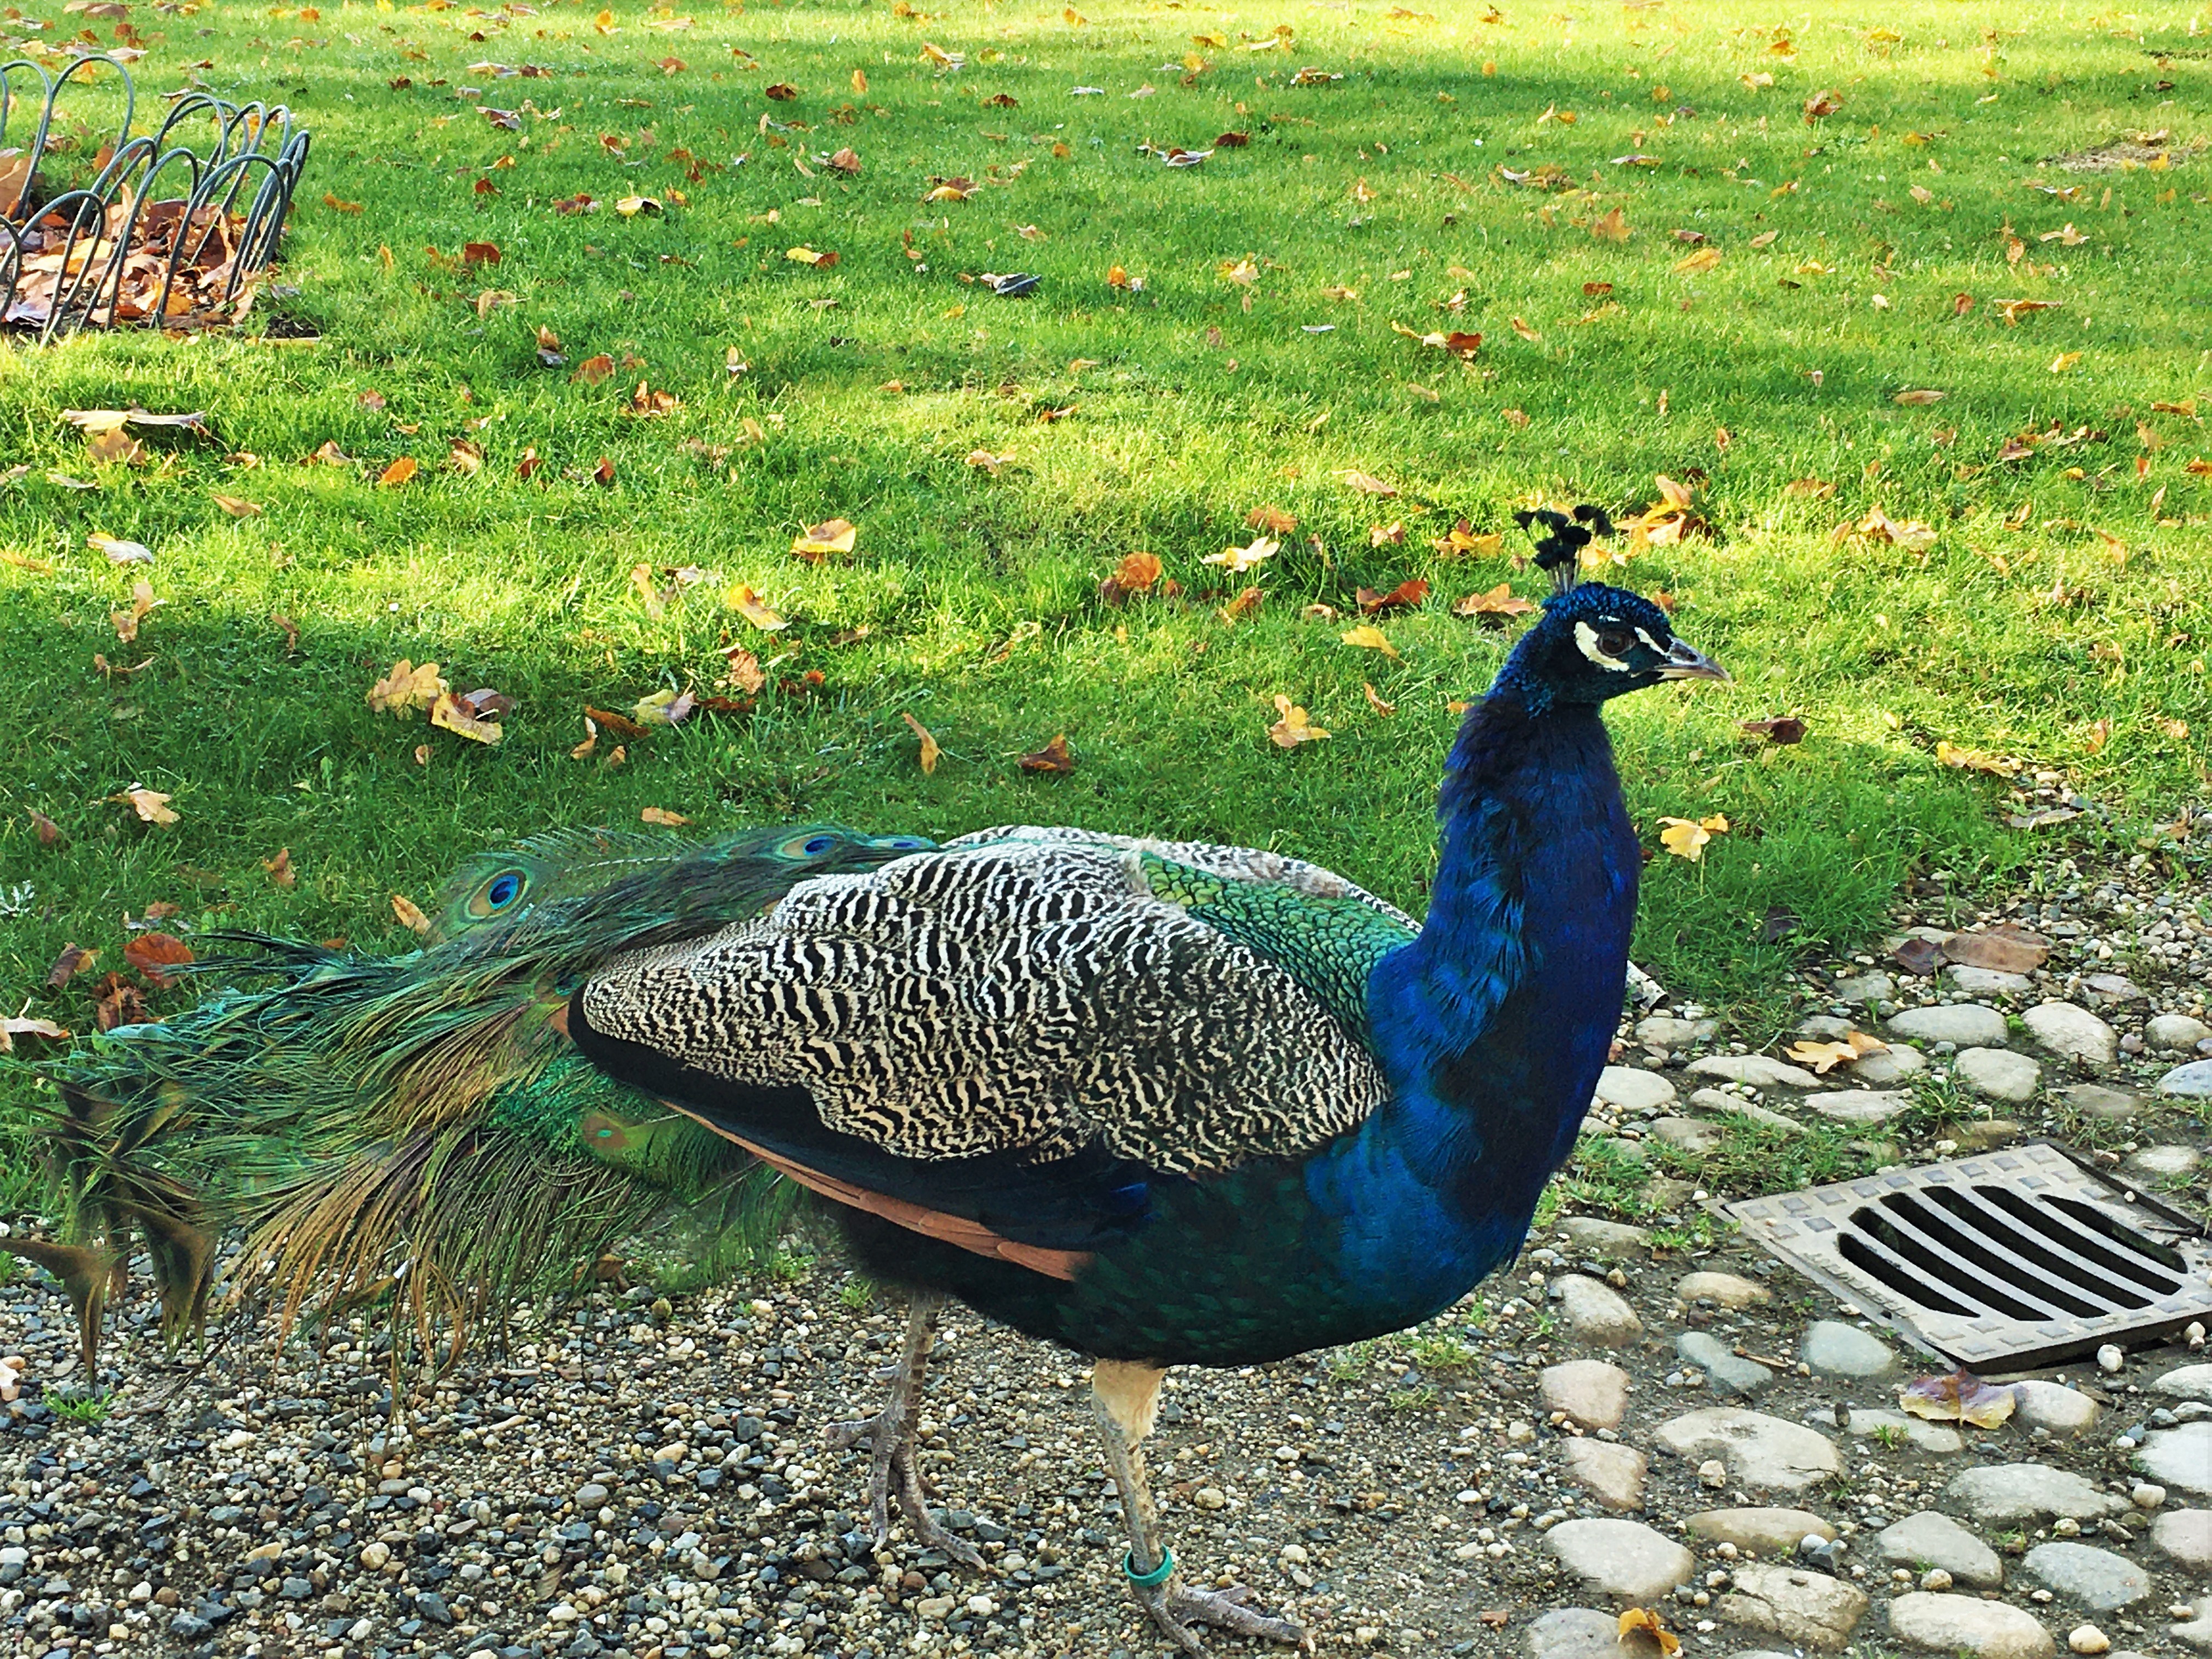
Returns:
<point x="971" y="600"/>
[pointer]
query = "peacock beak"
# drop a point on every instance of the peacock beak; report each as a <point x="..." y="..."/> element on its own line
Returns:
<point x="1685" y="662"/>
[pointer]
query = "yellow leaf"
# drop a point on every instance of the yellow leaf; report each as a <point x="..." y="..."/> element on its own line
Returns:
<point x="406" y="688"/>
<point x="2064" y="361"/>
<point x="1974" y="760"/>
<point x="456" y="715"/>
<point x="1369" y="637"/>
<point x="1238" y="560"/>
<point x="630" y="206"/>
<point x="1909" y="399"/>
<point x="1651" y="1633"/>
<point x="990" y="463"/>
<point x="409" y="914"/>
<point x="859" y="80"/>
<point x="1613" y="228"/>
<point x="1293" y="728"/>
<point x="929" y="748"/>
<point x="1375" y="700"/>
<point x="151" y="805"/>
<point x="662" y="816"/>
<point x="1522" y="328"/>
<point x="747" y="604"/>
<point x="237" y="507"/>
<point x="1698" y="260"/>
<point x="1685" y="838"/>
<point x="819" y="541"/>
<point x="1824" y="1057"/>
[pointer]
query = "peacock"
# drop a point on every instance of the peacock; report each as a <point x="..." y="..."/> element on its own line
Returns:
<point x="1161" y="1103"/>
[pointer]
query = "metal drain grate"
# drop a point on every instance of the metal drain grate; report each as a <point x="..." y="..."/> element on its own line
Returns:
<point x="2024" y="1255"/>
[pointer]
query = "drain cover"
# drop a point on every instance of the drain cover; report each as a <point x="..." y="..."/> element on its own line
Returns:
<point x="2024" y="1255"/>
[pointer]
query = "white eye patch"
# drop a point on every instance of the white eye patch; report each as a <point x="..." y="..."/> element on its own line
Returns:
<point x="1586" y="639"/>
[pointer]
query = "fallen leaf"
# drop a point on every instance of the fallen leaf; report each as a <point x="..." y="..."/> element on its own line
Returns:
<point x="1685" y="838"/>
<point x="74" y="959"/>
<point x="1368" y="637"/>
<point x="48" y="832"/>
<point x="1054" y="757"/>
<point x="1702" y="259"/>
<point x="819" y="541"/>
<point x="1272" y="519"/>
<point x="1499" y="601"/>
<point x="1238" y="560"/>
<point x="1243" y="605"/>
<point x="820" y="259"/>
<point x="1642" y="1630"/>
<point x="151" y="805"/>
<point x="1813" y="488"/>
<point x="142" y="606"/>
<point x="398" y="473"/>
<point x="1404" y="597"/>
<point x="747" y="604"/>
<point x="1613" y="228"/>
<point x="1137" y="572"/>
<point x="1788" y="728"/>
<point x="620" y="725"/>
<point x="2003" y="948"/>
<point x="1974" y="760"/>
<point x="629" y="207"/>
<point x="988" y="462"/>
<point x="593" y="370"/>
<point x="929" y="748"/>
<point x="466" y="457"/>
<point x="1368" y="485"/>
<point x="1824" y="1057"/>
<point x="409" y="914"/>
<point x="662" y="816"/>
<point x="1521" y="327"/>
<point x="154" y="954"/>
<point x="1961" y="1397"/>
<point x="472" y="715"/>
<point x="1375" y="700"/>
<point x="237" y="507"/>
<point x="406" y="688"/>
<point x="1291" y="727"/>
<point x="121" y="552"/>
<point x="590" y="739"/>
<point x="2064" y="361"/>
<point x="1912" y="398"/>
<point x="280" y="868"/>
<point x="10" y="1029"/>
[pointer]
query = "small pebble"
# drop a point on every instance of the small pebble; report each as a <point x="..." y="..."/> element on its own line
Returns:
<point x="1936" y="1579"/>
<point x="2110" y="1359"/>
<point x="2087" y="1639"/>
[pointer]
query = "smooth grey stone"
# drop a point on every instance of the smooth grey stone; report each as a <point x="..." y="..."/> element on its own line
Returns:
<point x="2027" y="1491"/>
<point x="1761" y="1070"/>
<point x="1969" y="1024"/>
<point x="2061" y="1028"/>
<point x="1729" y="1372"/>
<point x="1624" y="1558"/>
<point x="2095" y="1579"/>
<point x="1573" y="1633"/>
<point x="1966" y="1624"/>
<point x="2190" y="1082"/>
<point x="1759" y="1451"/>
<point x="2180" y="1458"/>
<point x="1631" y="1088"/>
<point x="1997" y="1072"/>
<point x="1931" y="1539"/>
<point x="1834" y="1349"/>
<point x="1767" y="1531"/>
<point x="1810" y="1608"/>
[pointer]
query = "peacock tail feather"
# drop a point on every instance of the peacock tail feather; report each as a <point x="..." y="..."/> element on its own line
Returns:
<point x="418" y="1127"/>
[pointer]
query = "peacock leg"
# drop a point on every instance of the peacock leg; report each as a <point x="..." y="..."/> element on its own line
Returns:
<point x="889" y="1433"/>
<point x="1126" y="1397"/>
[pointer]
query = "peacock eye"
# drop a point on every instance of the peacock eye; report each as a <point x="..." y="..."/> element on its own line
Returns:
<point x="497" y="893"/>
<point x="1616" y="641"/>
<point x="819" y="844"/>
<point x="502" y="891"/>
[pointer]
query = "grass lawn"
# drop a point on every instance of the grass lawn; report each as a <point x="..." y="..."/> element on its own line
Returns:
<point x="1674" y="268"/>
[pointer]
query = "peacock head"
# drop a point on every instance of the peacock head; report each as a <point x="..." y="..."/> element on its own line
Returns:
<point x="1593" y="642"/>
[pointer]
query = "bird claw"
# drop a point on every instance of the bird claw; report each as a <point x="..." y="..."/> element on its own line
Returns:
<point x="1174" y="1607"/>
<point x="890" y="1435"/>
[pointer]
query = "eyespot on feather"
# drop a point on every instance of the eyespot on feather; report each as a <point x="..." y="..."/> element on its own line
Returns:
<point x="498" y="894"/>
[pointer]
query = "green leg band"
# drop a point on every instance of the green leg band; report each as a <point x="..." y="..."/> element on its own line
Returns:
<point x="1157" y="1576"/>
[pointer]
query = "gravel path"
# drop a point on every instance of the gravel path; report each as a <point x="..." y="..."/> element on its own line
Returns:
<point x="1625" y="1417"/>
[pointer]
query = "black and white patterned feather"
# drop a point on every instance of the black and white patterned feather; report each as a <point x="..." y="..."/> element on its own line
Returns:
<point x="1021" y="990"/>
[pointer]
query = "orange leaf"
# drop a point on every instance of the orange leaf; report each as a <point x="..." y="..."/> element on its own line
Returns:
<point x="831" y="536"/>
<point x="747" y="604"/>
<point x="1054" y="757"/>
<point x="929" y="748"/>
<point x="1137" y="572"/>
<point x="662" y="816"/>
<point x="1291" y="727"/>
<point x="154" y="954"/>
<point x="409" y="914"/>
<point x="398" y="473"/>
<point x="593" y="370"/>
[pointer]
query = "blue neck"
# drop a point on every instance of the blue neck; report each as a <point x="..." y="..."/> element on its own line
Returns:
<point x="1493" y="1024"/>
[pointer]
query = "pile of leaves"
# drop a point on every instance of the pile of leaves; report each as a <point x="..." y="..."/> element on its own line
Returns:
<point x="113" y="263"/>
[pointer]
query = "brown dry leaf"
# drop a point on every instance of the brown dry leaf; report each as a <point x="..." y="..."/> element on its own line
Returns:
<point x="410" y="915"/>
<point x="2003" y="947"/>
<point x="154" y="954"/>
<point x="989" y="463"/>
<point x="1613" y="228"/>
<point x="593" y="370"/>
<point x="116" y="445"/>
<point x="1367" y="485"/>
<point x="1243" y="605"/>
<point x="1054" y="757"/>
<point x="1822" y="105"/>
<point x="237" y="507"/>
<point x="280" y="868"/>
<point x="1292" y="726"/>
<point x="1521" y="327"/>
<point x="1784" y="729"/>
<point x="820" y="259"/>
<point x="818" y="541"/>
<point x="1368" y="637"/>
<point x="662" y="816"/>
<point x="1685" y="838"/>
<point x="1812" y="489"/>
<point x="472" y="715"/>
<point x="48" y="832"/>
<point x="1137" y="572"/>
<point x="142" y="606"/>
<point x="1912" y="399"/>
<point x="604" y="473"/>
<point x="590" y="739"/>
<point x="151" y="805"/>
<point x="74" y="959"/>
<point x="466" y="457"/>
<point x="1974" y="760"/>
<point x="929" y="748"/>
<point x="1272" y="519"/>
<point x="1404" y="597"/>
<point x="845" y="161"/>
<point x="1375" y="700"/>
<point x="748" y="604"/>
<point x="1961" y="1397"/>
<point x="620" y="725"/>
<point x="406" y="688"/>
<point x="1499" y="601"/>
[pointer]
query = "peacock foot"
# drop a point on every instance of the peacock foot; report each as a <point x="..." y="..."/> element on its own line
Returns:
<point x="1175" y="1607"/>
<point x="892" y="1471"/>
